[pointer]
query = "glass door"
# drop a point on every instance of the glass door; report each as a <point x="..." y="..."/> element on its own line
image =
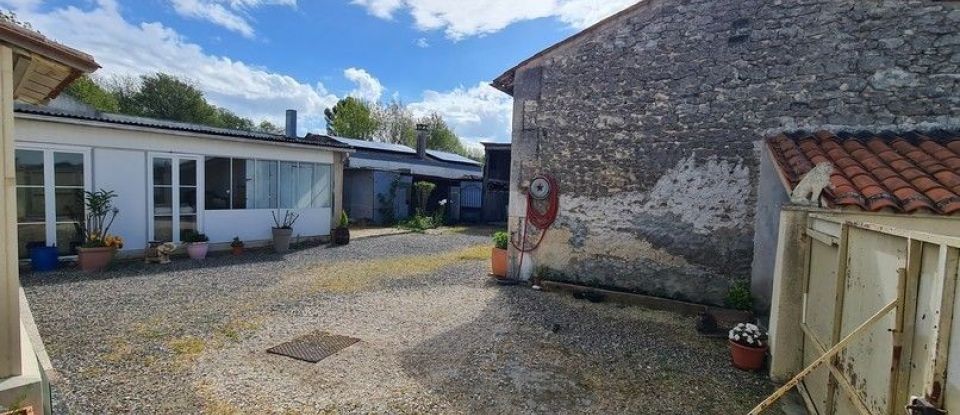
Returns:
<point x="50" y="190"/>
<point x="175" y="184"/>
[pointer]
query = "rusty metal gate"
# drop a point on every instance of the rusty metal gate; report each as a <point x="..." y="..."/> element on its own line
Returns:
<point x="855" y="271"/>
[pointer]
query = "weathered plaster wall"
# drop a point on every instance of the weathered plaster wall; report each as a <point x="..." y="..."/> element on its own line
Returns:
<point x="771" y="197"/>
<point x="649" y="124"/>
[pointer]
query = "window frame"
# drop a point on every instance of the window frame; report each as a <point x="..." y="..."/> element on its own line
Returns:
<point x="278" y="197"/>
<point x="50" y="187"/>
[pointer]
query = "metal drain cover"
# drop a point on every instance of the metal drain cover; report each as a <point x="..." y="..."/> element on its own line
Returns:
<point x="313" y="347"/>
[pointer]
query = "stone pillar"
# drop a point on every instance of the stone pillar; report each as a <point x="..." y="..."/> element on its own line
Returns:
<point x="786" y="311"/>
<point x="10" y="364"/>
<point x="339" y="161"/>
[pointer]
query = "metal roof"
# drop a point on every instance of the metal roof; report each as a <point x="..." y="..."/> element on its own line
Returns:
<point x="374" y="145"/>
<point x="313" y="140"/>
<point x="454" y="158"/>
<point x="441" y="156"/>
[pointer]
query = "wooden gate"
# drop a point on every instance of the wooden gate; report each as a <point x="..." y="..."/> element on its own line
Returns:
<point x="855" y="270"/>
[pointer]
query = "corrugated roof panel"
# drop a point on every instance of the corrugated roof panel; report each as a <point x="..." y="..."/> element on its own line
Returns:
<point x="374" y="145"/>
<point x="455" y="158"/>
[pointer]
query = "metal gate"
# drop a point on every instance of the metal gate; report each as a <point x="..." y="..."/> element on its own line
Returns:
<point x="860" y="272"/>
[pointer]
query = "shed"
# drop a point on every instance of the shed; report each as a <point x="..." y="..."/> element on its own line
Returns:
<point x="496" y="182"/>
<point x="379" y="178"/>
<point x="876" y="260"/>
<point x="169" y="177"/>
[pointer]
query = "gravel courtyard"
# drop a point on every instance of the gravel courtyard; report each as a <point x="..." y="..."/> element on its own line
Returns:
<point x="436" y="336"/>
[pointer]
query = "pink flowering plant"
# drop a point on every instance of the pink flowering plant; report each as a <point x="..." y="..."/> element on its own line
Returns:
<point x="748" y="335"/>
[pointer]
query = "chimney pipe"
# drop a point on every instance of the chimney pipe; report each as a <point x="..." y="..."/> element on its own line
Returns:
<point x="422" y="134"/>
<point x="291" y="125"/>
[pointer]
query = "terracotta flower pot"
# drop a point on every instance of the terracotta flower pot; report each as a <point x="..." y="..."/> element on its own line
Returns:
<point x="94" y="259"/>
<point x="236" y="250"/>
<point x="747" y="358"/>
<point x="498" y="262"/>
<point x="197" y="250"/>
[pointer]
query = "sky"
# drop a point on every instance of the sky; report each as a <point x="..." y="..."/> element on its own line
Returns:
<point x="261" y="57"/>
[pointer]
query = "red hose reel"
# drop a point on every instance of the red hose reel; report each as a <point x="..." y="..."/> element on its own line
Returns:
<point x="543" y="203"/>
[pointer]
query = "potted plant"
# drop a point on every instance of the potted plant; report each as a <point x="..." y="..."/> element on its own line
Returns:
<point x="283" y="230"/>
<point x="748" y="346"/>
<point x="99" y="246"/>
<point x="236" y="247"/>
<point x="498" y="258"/>
<point x="341" y="234"/>
<point x="196" y="243"/>
<point x="43" y="258"/>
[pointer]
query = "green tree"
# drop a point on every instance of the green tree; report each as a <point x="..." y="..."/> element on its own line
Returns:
<point x="169" y="98"/>
<point x="441" y="138"/>
<point x="227" y="119"/>
<point x="86" y="90"/>
<point x="269" y="127"/>
<point x="351" y="118"/>
<point x="396" y="123"/>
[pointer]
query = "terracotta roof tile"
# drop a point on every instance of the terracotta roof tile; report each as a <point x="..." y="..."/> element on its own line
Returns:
<point x="908" y="173"/>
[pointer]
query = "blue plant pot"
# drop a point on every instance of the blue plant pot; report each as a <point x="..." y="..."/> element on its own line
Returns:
<point x="44" y="258"/>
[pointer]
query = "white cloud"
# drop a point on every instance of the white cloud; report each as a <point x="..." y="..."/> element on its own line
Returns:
<point x="230" y="14"/>
<point x="123" y="48"/>
<point x="460" y="19"/>
<point x="477" y="114"/>
<point x="422" y="43"/>
<point x="368" y="88"/>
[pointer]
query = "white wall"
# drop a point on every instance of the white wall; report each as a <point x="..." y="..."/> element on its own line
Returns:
<point x="125" y="172"/>
<point x="119" y="163"/>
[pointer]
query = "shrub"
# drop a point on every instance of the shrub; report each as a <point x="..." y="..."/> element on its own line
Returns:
<point x="237" y="243"/>
<point x="344" y="220"/>
<point x="418" y="223"/>
<point x="501" y="240"/>
<point x="423" y="191"/>
<point x="749" y="335"/>
<point x="739" y="297"/>
<point x="192" y="237"/>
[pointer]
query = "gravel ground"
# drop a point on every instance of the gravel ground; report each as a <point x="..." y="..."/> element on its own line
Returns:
<point x="436" y="336"/>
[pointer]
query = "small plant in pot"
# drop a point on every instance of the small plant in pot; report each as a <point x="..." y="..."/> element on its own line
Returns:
<point x="99" y="246"/>
<point x="498" y="257"/>
<point x="236" y="246"/>
<point x="283" y="230"/>
<point x="341" y="234"/>
<point x="196" y="243"/>
<point x="748" y="346"/>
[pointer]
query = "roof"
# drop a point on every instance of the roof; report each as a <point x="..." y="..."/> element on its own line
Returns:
<point x="42" y="68"/>
<point x="907" y="172"/>
<point x="375" y="146"/>
<point x="496" y="146"/>
<point x="504" y="82"/>
<point x="129" y="120"/>
<point x="453" y="158"/>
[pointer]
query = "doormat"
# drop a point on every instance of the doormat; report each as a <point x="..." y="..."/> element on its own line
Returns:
<point x="313" y="347"/>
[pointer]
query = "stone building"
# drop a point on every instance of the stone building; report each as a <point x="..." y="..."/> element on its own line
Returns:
<point x="652" y="122"/>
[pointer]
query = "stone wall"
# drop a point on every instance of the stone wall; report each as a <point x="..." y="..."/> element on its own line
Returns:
<point x="651" y="124"/>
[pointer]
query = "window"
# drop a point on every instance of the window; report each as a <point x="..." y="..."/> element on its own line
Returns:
<point x="217" y="170"/>
<point x="50" y="186"/>
<point x="266" y="184"/>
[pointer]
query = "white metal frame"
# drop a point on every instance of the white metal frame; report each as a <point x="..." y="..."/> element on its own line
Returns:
<point x="49" y="180"/>
<point x="175" y="192"/>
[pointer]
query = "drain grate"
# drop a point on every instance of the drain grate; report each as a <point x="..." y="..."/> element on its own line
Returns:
<point x="313" y="347"/>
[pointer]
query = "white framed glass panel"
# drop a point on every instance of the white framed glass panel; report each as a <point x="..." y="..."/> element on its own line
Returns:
<point x="321" y="186"/>
<point x="266" y="185"/>
<point x="177" y="206"/>
<point x="304" y="190"/>
<point x="217" y="182"/>
<point x="50" y="189"/>
<point x="243" y="188"/>
<point x="288" y="184"/>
